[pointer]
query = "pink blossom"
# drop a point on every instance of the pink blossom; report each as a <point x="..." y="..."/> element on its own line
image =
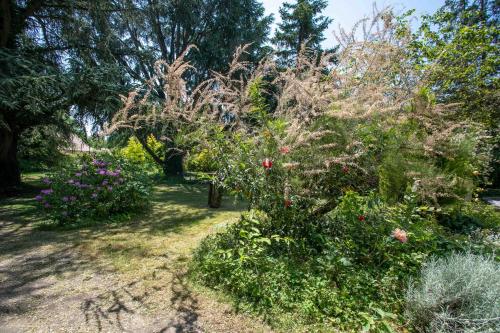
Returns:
<point x="285" y="150"/>
<point x="400" y="235"/>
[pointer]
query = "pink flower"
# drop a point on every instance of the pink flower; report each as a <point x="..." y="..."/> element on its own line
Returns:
<point x="345" y="169"/>
<point x="361" y="218"/>
<point x="400" y="235"/>
<point x="285" y="150"/>
<point x="267" y="163"/>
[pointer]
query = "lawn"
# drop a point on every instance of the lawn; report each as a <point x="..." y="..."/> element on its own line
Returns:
<point x="111" y="276"/>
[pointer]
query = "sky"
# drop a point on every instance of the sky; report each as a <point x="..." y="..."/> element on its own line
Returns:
<point x="347" y="12"/>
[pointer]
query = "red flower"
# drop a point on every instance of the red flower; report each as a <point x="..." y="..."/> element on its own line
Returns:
<point x="267" y="163"/>
<point x="361" y="218"/>
<point x="345" y="169"/>
<point x="288" y="203"/>
<point x="285" y="150"/>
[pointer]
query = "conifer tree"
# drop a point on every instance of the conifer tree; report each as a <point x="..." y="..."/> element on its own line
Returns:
<point x="301" y="24"/>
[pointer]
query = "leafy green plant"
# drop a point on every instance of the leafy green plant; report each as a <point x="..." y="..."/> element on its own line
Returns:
<point x="135" y="153"/>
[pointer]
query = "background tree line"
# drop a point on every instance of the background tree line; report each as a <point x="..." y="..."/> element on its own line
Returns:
<point x="63" y="64"/>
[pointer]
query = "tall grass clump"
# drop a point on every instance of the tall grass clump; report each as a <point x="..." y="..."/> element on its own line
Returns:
<point x="458" y="293"/>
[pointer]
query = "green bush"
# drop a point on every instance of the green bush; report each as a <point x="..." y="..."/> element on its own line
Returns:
<point x="459" y="293"/>
<point x="468" y="217"/>
<point x="135" y="153"/>
<point x="351" y="271"/>
<point x="94" y="188"/>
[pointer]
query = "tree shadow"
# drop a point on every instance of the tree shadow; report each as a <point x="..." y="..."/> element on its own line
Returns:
<point x="185" y="305"/>
<point x="24" y="277"/>
<point x="110" y="306"/>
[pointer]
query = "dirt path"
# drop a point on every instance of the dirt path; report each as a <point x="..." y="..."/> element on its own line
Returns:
<point x="118" y="278"/>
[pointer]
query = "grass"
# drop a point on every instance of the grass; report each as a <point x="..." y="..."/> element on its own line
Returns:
<point x="146" y="257"/>
<point x="179" y="211"/>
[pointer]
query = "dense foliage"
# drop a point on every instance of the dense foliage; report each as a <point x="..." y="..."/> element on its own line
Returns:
<point x="352" y="183"/>
<point x="94" y="188"/>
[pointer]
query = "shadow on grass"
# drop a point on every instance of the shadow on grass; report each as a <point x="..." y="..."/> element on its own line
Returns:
<point x="27" y="266"/>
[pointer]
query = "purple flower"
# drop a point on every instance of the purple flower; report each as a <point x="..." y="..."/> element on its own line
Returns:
<point x="78" y="174"/>
<point x="38" y="198"/>
<point x="46" y="181"/>
<point x="65" y="199"/>
<point x="47" y="191"/>
<point x="110" y="188"/>
<point x="104" y="182"/>
<point x="100" y="164"/>
<point x="71" y="181"/>
<point x="102" y="172"/>
<point x="94" y="195"/>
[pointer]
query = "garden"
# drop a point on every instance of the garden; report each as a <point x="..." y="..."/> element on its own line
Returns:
<point x="162" y="171"/>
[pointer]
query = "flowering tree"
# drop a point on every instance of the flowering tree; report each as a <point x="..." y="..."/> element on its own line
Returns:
<point x="338" y="124"/>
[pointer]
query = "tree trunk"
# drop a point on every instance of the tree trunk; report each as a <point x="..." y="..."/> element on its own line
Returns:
<point x="214" y="195"/>
<point x="10" y="174"/>
<point x="172" y="166"/>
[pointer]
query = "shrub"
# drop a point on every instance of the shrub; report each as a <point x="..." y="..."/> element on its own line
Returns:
<point x="349" y="271"/>
<point x="470" y="216"/>
<point x="135" y="153"/>
<point x="459" y="293"/>
<point x="94" y="189"/>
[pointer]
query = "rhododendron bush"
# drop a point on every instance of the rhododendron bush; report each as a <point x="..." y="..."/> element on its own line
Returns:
<point x="94" y="188"/>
